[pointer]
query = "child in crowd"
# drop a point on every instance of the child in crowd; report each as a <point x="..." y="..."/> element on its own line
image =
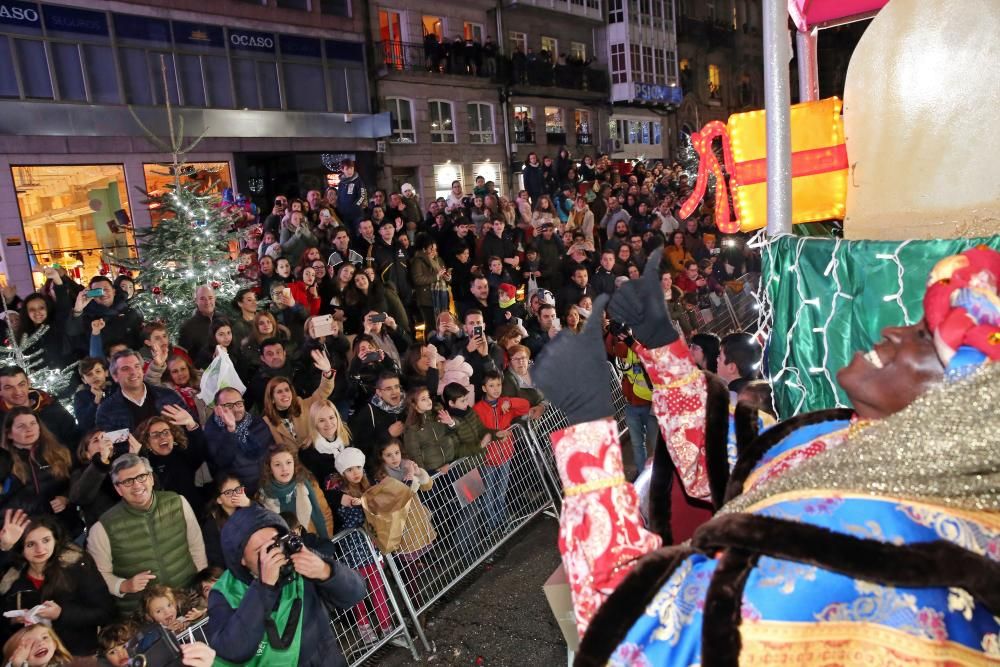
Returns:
<point x="111" y="642"/>
<point x="497" y="413"/>
<point x="429" y="437"/>
<point x="286" y="486"/>
<point x="352" y="484"/>
<point x="418" y="534"/>
<point x="203" y="583"/>
<point x="159" y="605"/>
<point x="96" y="385"/>
<point x="37" y="646"/>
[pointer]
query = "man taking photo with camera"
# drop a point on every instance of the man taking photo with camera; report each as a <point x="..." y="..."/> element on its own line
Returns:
<point x="267" y="608"/>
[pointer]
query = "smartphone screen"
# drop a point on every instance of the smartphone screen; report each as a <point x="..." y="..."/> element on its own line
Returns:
<point x="95" y="293"/>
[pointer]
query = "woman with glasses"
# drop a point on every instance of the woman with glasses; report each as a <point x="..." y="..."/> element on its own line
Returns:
<point x="230" y="495"/>
<point x="175" y="446"/>
<point x="517" y="380"/>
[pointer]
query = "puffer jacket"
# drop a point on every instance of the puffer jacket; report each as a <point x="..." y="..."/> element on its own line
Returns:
<point x="431" y="444"/>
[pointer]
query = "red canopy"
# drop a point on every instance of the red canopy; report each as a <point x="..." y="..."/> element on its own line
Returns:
<point x="809" y="13"/>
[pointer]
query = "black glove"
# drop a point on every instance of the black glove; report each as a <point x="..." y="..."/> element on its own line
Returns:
<point x="573" y="373"/>
<point x="639" y="305"/>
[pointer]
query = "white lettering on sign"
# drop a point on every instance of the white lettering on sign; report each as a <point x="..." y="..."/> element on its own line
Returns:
<point x="239" y="39"/>
<point x="19" y="14"/>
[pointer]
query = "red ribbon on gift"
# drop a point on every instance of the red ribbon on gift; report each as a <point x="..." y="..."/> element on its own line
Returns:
<point x="702" y="144"/>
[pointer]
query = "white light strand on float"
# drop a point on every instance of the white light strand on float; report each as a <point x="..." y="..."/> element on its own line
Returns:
<point x="787" y="375"/>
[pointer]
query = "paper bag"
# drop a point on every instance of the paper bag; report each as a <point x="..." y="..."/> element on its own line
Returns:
<point x="387" y="507"/>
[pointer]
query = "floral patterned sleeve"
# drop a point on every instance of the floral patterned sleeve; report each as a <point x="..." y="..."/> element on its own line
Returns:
<point x="680" y="391"/>
<point x="600" y="529"/>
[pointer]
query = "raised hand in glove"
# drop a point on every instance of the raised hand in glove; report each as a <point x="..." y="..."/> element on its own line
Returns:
<point x="639" y="305"/>
<point x="572" y="371"/>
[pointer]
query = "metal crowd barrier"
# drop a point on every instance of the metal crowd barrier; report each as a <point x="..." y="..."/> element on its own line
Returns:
<point x="371" y="624"/>
<point x="375" y="621"/>
<point x="474" y="508"/>
<point x="553" y="420"/>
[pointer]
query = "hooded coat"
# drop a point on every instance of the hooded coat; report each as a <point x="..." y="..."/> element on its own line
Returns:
<point x="235" y="634"/>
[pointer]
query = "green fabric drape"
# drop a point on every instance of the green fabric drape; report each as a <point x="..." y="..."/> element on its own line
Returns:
<point x="831" y="298"/>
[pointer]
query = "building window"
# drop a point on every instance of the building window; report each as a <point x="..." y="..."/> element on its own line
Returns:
<point x="555" y="130"/>
<point x="518" y="40"/>
<point x="335" y="7"/>
<point x="71" y="214"/>
<point x="658" y="12"/>
<point x="433" y="25"/>
<point x="401" y="115"/>
<point x="647" y="63"/>
<point x="442" y="123"/>
<point x="657" y="133"/>
<point x="658" y="63"/>
<point x="714" y="81"/>
<point x="581" y="120"/>
<point x="619" y="74"/>
<point x="302" y="5"/>
<point x="473" y="31"/>
<point x="578" y="50"/>
<point x="524" y="124"/>
<point x="444" y="175"/>
<point x="671" y="63"/>
<point x="551" y="44"/>
<point x="616" y="13"/>
<point x="636" y="53"/>
<point x="480" y="123"/>
<point x="634" y="15"/>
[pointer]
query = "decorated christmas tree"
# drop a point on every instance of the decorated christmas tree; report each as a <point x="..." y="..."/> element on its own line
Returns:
<point x="190" y="245"/>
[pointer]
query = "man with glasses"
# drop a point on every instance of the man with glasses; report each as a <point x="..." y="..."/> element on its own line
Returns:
<point x="136" y="400"/>
<point x="381" y="419"/>
<point x="149" y="536"/>
<point x="237" y="440"/>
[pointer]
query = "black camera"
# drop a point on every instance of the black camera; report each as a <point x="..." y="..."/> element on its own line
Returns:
<point x="154" y="646"/>
<point x="618" y="329"/>
<point x="289" y="543"/>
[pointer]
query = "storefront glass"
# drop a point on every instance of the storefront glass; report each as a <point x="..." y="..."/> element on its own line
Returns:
<point x="204" y="174"/>
<point x="72" y="214"/>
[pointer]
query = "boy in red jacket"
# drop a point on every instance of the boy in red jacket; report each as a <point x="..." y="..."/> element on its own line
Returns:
<point x="497" y="412"/>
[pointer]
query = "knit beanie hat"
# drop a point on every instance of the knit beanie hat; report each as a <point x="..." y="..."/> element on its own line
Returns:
<point x="351" y="457"/>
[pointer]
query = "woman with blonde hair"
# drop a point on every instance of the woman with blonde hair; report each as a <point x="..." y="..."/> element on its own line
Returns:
<point x="286" y="414"/>
<point x="329" y="436"/>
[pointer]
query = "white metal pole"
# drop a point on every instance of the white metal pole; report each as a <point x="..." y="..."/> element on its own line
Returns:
<point x="777" y="55"/>
<point x="808" y="62"/>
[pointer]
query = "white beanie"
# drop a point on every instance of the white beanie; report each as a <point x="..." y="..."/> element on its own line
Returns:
<point x="351" y="457"/>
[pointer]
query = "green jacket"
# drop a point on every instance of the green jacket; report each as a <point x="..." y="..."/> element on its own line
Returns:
<point x="154" y="539"/>
<point x="431" y="445"/>
<point x="469" y="432"/>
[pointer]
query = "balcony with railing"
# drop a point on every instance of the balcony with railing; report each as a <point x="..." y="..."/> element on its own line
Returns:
<point x="589" y="9"/>
<point x="584" y="139"/>
<point x="517" y="71"/>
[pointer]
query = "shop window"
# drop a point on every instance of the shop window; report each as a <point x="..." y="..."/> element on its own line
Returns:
<point x="204" y="174"/>
<point x="73" y="214"/>
<point x="444" y="175"/>
<point x="490" y="171"/>
<point x="442" y="122"/>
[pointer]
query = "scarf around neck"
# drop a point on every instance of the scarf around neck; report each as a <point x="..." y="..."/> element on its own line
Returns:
<point x="298" y="497"/>
<point x="385" y="407"/>
<point x="328" y="447"/>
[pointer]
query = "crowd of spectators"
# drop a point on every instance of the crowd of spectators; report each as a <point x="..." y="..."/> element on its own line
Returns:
<point x="378" y="336"/>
